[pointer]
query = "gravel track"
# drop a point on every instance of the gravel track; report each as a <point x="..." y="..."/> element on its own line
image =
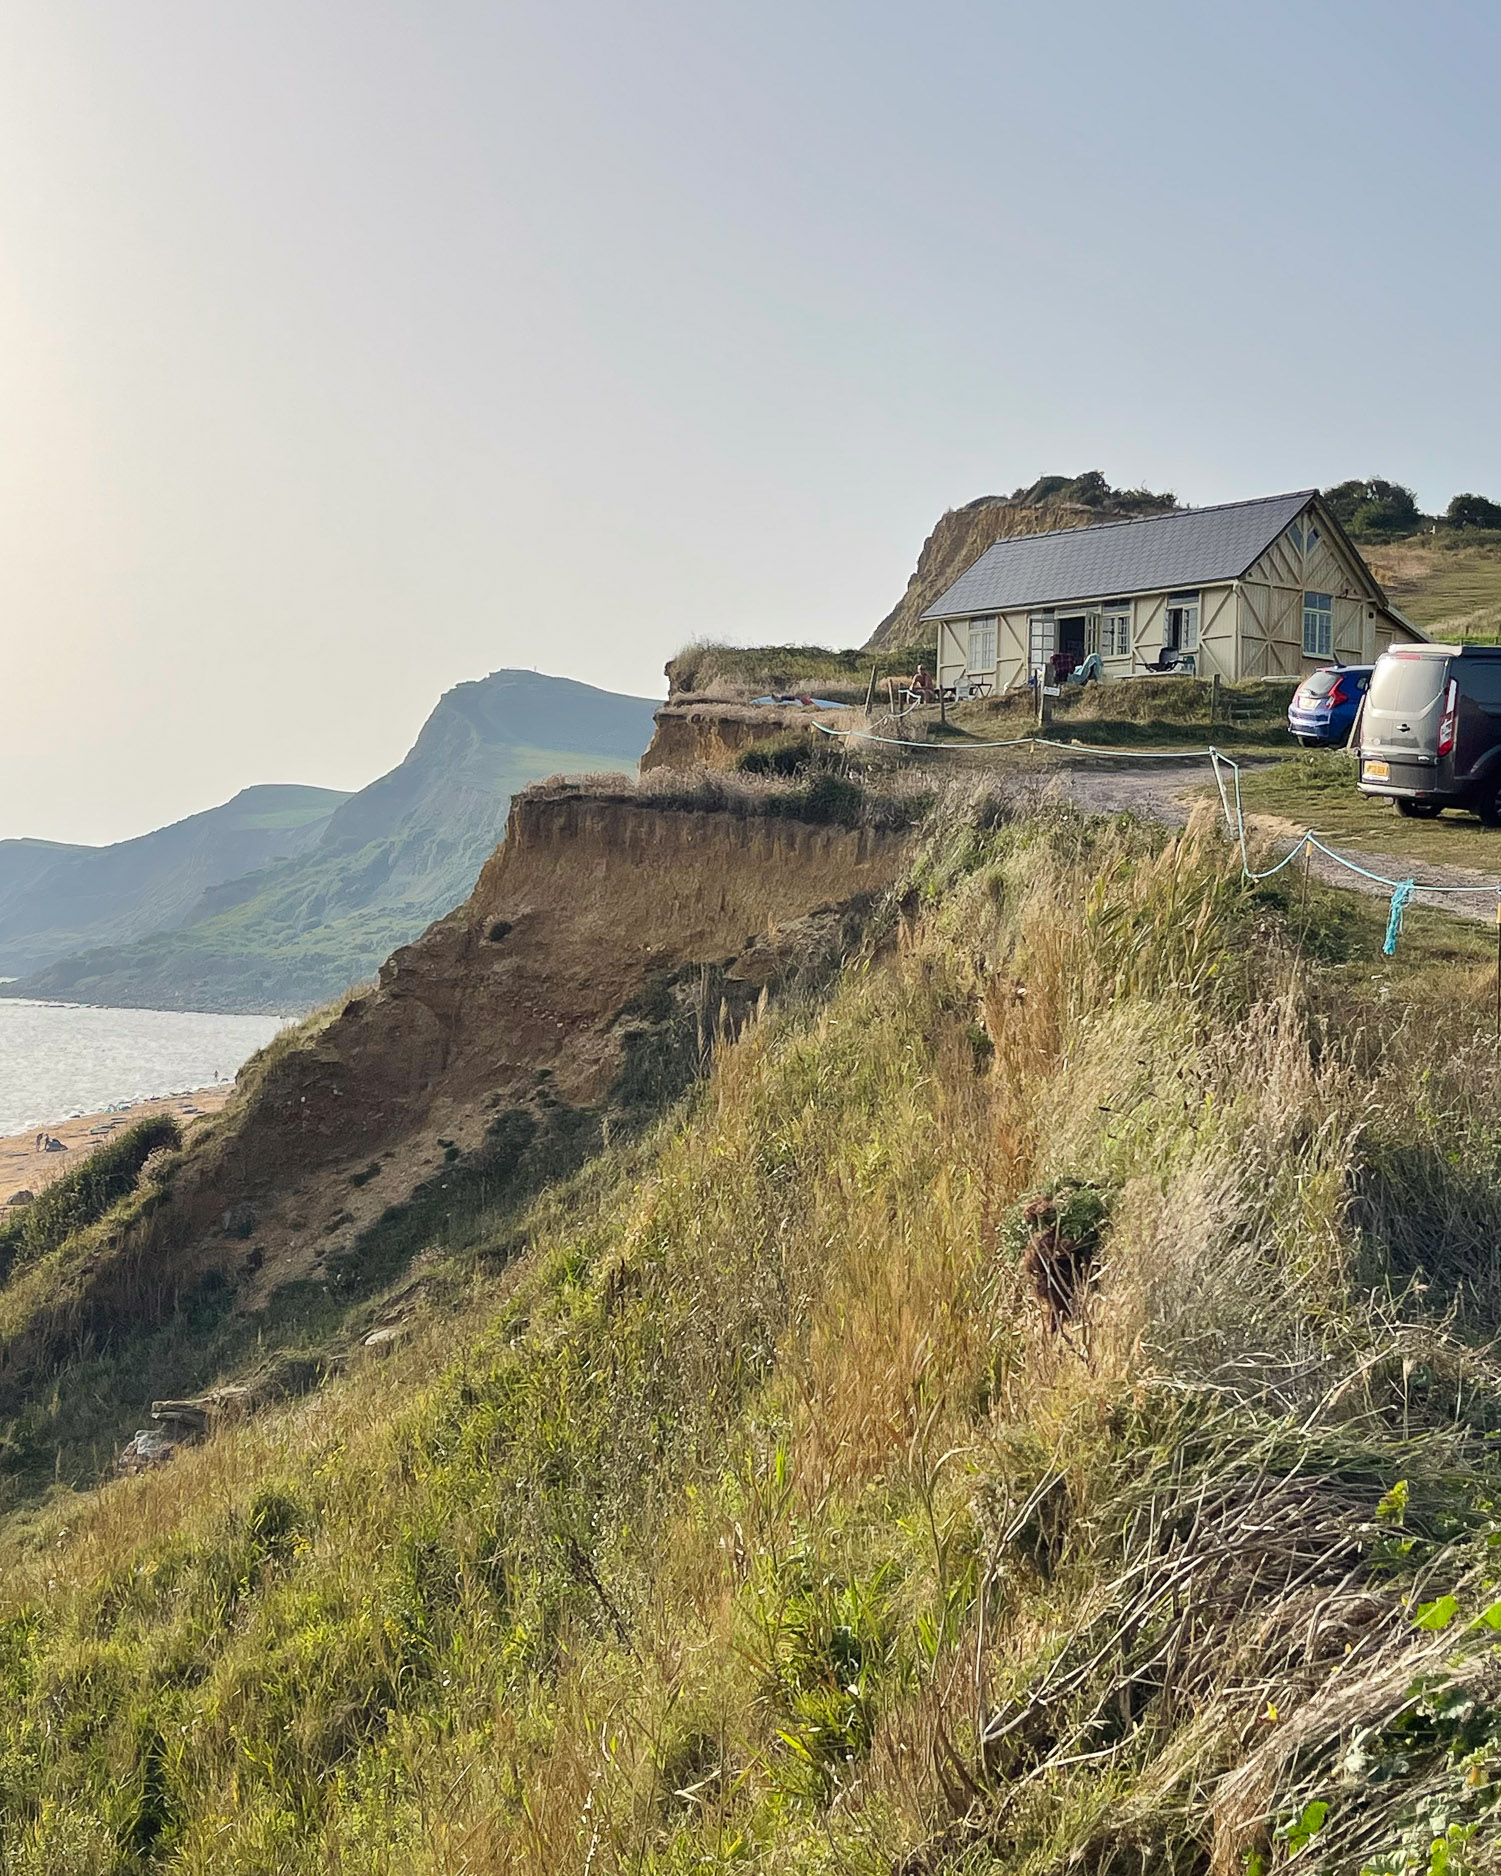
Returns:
<point x="1165" y="791"/>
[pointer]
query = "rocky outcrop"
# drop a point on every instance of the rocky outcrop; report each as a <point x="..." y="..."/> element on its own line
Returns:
<point x="963" y="534"/>
<point x="710" y="735"/>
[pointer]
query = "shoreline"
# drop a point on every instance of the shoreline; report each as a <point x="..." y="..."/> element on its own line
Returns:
<point x="24" y="1168"/>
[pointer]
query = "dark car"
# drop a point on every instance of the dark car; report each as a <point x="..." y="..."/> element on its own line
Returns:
<point x="1430" y="735"/>
<point x="1324" y="705"/>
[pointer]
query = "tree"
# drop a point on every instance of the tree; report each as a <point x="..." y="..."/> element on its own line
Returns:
<point x="1373" y="509"/>
<point x="1473" y="511"/>
<point x="1092" y="490"/>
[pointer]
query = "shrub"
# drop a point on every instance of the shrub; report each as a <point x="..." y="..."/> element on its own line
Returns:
<point x="1374" y="509"/>
<point x="84" y="1193"/>
<point x="1473" y="511"/>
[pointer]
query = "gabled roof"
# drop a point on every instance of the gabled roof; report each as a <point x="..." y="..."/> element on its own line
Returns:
<point x="1156" y="554"/>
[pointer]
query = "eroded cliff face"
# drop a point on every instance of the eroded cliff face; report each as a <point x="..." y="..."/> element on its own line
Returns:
<point x="606" y="939"/>
<point x="957" y="542"/>
<point x="711" y="735"/>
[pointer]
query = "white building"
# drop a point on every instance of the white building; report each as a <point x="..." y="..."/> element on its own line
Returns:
<point x="1265" y="588"/>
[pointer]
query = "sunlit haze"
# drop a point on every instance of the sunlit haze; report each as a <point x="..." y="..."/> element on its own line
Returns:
<point x="348" y="351"/>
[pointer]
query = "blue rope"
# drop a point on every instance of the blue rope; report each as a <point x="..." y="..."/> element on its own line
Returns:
<point x="1394" y="921"/>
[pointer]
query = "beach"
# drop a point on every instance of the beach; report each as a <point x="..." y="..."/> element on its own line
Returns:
<point x="24" y="1169"/>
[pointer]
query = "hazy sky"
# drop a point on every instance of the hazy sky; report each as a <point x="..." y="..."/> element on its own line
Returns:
<point x="351" y="350"/>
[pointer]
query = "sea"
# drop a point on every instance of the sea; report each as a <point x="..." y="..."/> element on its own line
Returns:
<point x="58" y="1060"/>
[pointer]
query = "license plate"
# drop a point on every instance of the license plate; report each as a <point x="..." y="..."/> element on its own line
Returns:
<point x="1377" y="771"/>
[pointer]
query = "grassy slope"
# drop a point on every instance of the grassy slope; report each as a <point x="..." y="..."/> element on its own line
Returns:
<point x="710" y="1535"/>
<point x="1318" y="791"/>
<point x="1147" y="713"/>
<point x="1449" y="583"/>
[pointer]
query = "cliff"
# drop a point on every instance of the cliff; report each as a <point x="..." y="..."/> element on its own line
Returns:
<point x="1029" y="1407"/>
<point x="963" y="534"/>
<point x="607" y="940"/>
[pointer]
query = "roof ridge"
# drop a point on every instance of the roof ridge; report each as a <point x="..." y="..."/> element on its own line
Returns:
<point x="1135" y="521"/>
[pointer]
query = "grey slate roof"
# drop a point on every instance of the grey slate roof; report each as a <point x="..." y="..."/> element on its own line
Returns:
<point x="1157" y="554"/>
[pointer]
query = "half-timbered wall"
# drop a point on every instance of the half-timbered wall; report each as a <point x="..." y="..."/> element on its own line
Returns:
<point x="1303" y="559"/>
<point x="1249" y="628"/>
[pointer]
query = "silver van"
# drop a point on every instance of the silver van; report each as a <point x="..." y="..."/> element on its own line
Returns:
<point x="1430" y="730"/>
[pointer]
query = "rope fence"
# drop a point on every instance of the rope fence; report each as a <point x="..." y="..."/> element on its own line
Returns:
<point x="1308" y="842"/>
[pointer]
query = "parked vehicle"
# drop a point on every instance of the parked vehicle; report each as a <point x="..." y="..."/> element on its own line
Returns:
<point x="1430" y="734"/>
<point x="1323" y="707"/>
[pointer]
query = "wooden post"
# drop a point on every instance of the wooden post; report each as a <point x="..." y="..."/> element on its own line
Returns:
<point x="870" y="690"/>
<point x="1214" y="699"/>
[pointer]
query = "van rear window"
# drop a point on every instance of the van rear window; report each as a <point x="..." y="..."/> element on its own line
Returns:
<point x="1480" y="679"/>
<point x="1406" y="684"/>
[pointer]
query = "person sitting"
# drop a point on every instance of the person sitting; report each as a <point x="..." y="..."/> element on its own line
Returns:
<point x="920" y="686"/>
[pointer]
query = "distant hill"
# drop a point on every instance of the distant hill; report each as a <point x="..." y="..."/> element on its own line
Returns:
<point x="55" y="899"/>
<point x="383" y="864"/>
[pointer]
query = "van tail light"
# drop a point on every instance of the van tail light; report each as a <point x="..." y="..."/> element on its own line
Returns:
<point x="1446" y="721"/>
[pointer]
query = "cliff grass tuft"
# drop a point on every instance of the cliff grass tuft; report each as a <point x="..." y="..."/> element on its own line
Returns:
<point x="753" y="1518"/>
<point x="83" y="1194"/>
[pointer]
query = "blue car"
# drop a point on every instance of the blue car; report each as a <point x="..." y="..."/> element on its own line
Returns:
<point x="1323" y="708"/>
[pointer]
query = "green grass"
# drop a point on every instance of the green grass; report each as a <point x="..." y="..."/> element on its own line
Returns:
<point x="1318" y="791"/>
<point x="1449" y="583"/>
<point x="1165" y="713"/>
<point x="739" y="1513"/>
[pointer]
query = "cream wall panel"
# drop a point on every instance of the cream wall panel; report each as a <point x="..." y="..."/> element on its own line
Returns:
<point x="953" y="651"/>
<point x="1217" y="622"/>
<point x="1011" y="650"/>
<point x="1147" y="619"/>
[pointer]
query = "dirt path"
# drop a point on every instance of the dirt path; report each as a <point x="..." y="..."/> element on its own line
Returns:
<point x="1166" y="791"/>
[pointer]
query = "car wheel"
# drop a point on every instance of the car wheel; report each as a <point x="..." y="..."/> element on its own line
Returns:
<point x="1488" y="807"/>
<point x="1419" y="810"/>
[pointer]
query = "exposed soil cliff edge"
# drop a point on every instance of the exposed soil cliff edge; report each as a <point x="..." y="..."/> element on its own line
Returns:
<point x="606" y="938"/>
<point x="711" y="734"/>
<point x="963" y="534"/>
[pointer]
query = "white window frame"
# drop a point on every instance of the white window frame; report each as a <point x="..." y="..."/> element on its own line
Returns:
<point x="1186" y="604"/>
<point x="1115" y="631"/>
<point x="1318" y="625"/>
<point x="1042" y="639"/>
<point x="984" y="637"/>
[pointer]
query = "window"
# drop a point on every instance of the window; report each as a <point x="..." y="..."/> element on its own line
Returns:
<point x="1318" y="625"/>
<point x="1295" y="535"/>
<point x="982" y="644"/>
<point x="1479" y="680"/>
<point x="1115" y="632"/>
<point x="1181" y="632"/>
<point x="1042" y="639"/>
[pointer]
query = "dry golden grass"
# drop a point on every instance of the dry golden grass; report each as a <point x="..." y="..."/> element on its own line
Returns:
<point x="754" y="1521"/>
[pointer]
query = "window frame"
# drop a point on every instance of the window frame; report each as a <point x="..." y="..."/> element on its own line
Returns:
<point x="1115" y="629"/>
<point x="1182" y="603"/>
<point x="985" y="625"/>
<point x="1318" y="610"/>
<point x="1042" y="636"/>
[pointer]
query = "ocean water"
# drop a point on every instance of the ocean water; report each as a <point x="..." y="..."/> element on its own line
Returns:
<point x="62" y="1059"/>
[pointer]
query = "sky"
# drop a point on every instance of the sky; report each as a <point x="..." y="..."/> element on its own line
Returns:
<point x="349" y="351"/>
